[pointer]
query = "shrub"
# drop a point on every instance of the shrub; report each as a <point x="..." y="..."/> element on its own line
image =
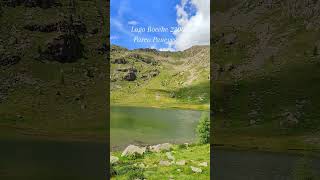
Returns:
<point x="203" y="128"/>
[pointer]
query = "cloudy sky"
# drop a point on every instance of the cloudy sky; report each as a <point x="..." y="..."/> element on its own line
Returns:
<point x="192" y="16"/>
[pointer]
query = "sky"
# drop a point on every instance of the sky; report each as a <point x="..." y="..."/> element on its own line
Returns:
<point x="130" y="19"/>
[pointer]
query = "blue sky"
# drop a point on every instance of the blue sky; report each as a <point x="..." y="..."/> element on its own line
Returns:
<point x="142" y="13"/>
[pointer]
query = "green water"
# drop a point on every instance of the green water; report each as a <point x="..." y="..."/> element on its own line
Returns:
<point x="138" y="125"/>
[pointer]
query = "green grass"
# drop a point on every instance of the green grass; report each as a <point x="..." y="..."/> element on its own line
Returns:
<point x="36" y="111"/>
<point x="194" y="155"/>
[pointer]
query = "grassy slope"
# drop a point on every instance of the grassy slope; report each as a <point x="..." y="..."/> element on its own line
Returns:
<point x="174" y="71"/>
<point x="286" y="78"/>
<point x="155" y="171"/>
<point x="29" y="113"/>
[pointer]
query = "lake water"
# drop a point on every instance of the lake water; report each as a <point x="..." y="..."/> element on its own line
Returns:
<point x="49" y="160"/>
<point x="138" y="125"/>
<point x="251" y="165"/>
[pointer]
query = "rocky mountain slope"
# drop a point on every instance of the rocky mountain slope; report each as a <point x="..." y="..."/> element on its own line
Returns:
<point x="266" y="68"/>
<point x="54" y="75"/>
<point x="146" y="77"/>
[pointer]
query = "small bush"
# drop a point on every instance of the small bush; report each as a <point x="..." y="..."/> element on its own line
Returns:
<point x="203" y="128"/>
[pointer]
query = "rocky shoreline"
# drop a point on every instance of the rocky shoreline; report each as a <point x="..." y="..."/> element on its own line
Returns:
<point x="164" y="156"/>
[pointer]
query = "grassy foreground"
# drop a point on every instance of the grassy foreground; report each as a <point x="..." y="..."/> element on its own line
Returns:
<point x="128" y="168"/>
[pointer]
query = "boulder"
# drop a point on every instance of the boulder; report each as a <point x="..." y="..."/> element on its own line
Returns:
<point x="161" y="147"/>
<point x="133" y="150"/>
<point x="196" y="170"/>
<point x="131" y="76"/>
<point x="181" y="162"/>
<point x="170" y="156"/>
<point x="113" y="159"/>
<point x="204" y="164"/>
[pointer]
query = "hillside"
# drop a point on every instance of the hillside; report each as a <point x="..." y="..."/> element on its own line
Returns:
<point x="54" y="75"/>
<point x="266" y="68"/>
<point x="147" y="77"/>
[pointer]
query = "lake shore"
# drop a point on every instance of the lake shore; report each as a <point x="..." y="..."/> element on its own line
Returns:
<point x="174" y="164"/>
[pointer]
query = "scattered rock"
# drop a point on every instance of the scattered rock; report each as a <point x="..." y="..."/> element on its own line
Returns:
<point x="204" y="164"/>
<point x="196" y="170"/>
<point x="161" y="147"/>
<point x="181" y="162"/>
<point x="164" y="163"/>
<point x="133" y="150"/>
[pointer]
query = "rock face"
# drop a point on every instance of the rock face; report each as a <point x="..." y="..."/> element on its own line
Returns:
<point x="161" y="147"/>
<point x="133" y="150"/>
<point x="65" y="48"/>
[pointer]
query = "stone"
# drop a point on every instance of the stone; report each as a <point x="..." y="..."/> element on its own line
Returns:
<point x="161" y="147"/>
<point x="204" y="164"/>
<point x="164" y="163"/>
<point x="170" y="156"/>
<point x="195" y="169"/>
<point x="114" y="159"/>
<point x="181" y="162"/>
<point x="133" y="150"/>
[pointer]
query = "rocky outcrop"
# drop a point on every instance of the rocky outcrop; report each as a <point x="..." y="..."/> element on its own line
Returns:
<point x="64" y="48"/>
<point x="130" y="76"/>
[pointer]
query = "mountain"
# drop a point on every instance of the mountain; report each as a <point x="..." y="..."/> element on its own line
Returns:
<point x="266" y="67"/>
<point x="147" y="77"/>
<point x="54" y="75"/>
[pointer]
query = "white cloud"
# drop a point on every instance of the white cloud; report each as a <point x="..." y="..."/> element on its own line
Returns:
<point x="196" y="28"/>
<point x="133" y="23"/>
<point x="166" y="49"/>
<point x="114" y="37"/>
<point x="117" y="24"/>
